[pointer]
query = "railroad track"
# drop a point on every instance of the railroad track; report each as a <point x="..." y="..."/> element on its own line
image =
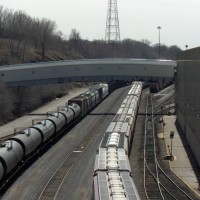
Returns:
<point x="53" y="186"/>
<point x="33" y="157"/>
<point x="157" y="184"/>
<point x="164" y="92"/>
<point x="55" y="183"/>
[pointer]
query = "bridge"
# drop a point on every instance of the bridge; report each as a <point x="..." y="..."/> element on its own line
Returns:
<point x="87" y="70"/>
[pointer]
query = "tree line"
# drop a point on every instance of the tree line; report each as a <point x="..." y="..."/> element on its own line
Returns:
<point x="22" y="31"/>
<point x="126" y="48"/>
<point x="23" y="34"/>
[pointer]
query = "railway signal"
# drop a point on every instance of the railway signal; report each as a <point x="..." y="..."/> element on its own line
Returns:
<point x="170" y="156"/>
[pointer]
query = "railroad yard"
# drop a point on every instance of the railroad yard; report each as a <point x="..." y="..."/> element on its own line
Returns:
<point x="86" y="116"/>
<point x="149" y="150"/>
<point x="34" y="182"/>
<point x="66" y="170"/>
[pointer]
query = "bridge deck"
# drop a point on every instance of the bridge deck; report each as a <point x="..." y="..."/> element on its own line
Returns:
<point x="86" y="70"/>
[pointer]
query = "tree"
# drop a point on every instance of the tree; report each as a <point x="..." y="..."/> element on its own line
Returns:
<point x="22" y="29"/>
<point x="74" y="39"/>
<point x="2" y="22"/>
<point x="74" y="35"/>
<point x="45" y="33"/>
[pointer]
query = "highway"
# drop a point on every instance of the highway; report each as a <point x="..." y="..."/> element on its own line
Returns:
<point x="78" y="181"/>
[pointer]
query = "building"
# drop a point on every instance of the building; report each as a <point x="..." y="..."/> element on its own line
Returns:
<point x="188" y="97"/>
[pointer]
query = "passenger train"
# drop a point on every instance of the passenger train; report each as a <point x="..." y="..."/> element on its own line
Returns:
<point x="112" y="172"/>
<point x="16" y="149"/>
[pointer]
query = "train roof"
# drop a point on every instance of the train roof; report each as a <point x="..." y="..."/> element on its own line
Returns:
<point x="114" y="140"/>
<point x="124" y="118"/>
<point x="129" y="102"/>
<point x="117" y="127"/>
<point x="115" y="185"/>
<point x="112" y="159"/>
<point x="77" y="98"/>
<point x="127" y="111"/>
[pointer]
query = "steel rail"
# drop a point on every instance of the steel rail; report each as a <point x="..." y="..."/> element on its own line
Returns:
<point x="172" y="181"/>
<point x="151" y="121"/>
<point x="86" y="140"/>
<point x="157" y="176"/>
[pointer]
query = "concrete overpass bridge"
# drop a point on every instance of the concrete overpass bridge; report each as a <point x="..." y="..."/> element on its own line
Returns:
<point x="87" y="70"/>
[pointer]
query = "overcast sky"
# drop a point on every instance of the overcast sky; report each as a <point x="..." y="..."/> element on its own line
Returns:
<point x="139" y="19"/>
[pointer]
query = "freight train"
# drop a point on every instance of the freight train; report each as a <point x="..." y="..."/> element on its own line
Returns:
<point x="16" y="149"/>
<point x="112" y="172"/>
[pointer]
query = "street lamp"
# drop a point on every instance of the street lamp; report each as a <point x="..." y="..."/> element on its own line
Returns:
<point x="159" y="41"/>
<point x="186" y="46"/>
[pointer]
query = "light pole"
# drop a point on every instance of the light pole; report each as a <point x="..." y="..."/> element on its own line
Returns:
<point x="186" y="46"/>
<point x="171" y="137"/>
<point x="159" y="41"/>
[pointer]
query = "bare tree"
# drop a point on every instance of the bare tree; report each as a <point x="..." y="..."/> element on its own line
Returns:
<point x="74" y="35"/>
<point x="21" y="25"/>
<point x="10" y="21"/>
<point x="2" y="23"/>
<point x="74" y="39"/>
<point x="58" y="42"/>
<point x="45" y="32"/>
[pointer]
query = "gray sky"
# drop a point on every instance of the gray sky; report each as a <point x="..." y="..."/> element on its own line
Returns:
<point x="139" y="19"/>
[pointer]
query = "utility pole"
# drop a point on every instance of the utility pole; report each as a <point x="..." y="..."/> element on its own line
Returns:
<point x="112" y="23"/>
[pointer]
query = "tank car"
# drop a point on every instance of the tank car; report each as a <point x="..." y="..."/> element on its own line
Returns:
<point x="11" y="153"/>
<point x="58" y="120"/>
<point x="75" y="109"/>
<point x="18" y="147"/>
<point x="29" y="139"/>
<point x="46" y="127"/>
<point x="1" y="169"/>
<point x="69" y="113"/>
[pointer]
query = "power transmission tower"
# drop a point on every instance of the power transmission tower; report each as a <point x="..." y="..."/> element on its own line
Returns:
<point x="112" y="23"/>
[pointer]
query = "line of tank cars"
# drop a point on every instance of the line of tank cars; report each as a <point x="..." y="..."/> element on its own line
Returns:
<point x="17" y="148"/>
<point x="112" y="172"/>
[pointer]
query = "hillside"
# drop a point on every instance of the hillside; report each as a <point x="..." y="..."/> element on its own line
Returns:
<point x="24" y="39"/>
<point x="32" y="55"/>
